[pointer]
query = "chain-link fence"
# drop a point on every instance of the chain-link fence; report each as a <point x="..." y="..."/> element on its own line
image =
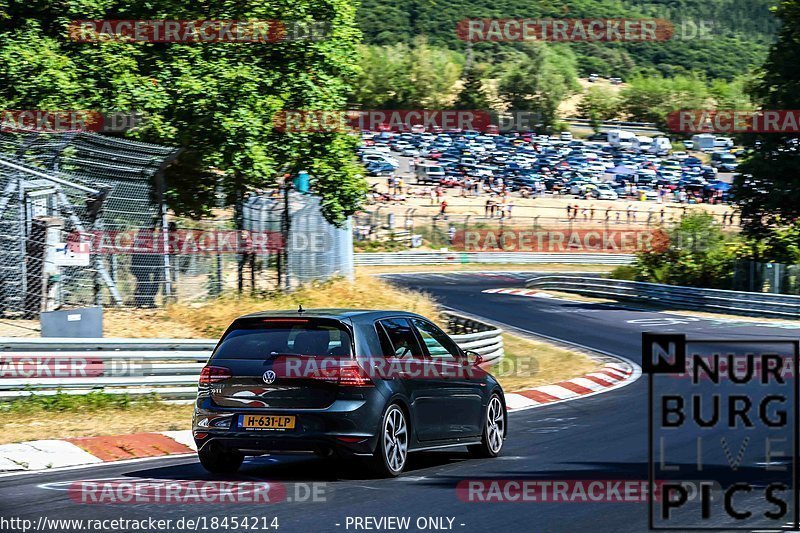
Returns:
<point x="83" y="221"/>
<point x="775" y="278"/>
<point x="57" y="186"/>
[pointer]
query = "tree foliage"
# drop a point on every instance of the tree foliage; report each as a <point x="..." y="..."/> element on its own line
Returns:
<point x="652" y="98"/>
<point x="697" y="254"/>
<point x="214" y="100"/>
<point x="739" y="31"/>
<point x="538" y="80"/>
<point x="473" y="94"/>
<point x="407" y="76"/>
<point x="768" y="188"/>
<point x="599" y="104"/>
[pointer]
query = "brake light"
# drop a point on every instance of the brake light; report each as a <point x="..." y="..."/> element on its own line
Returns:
<point x="214" y="374"/>
<point x="354" y="376"/>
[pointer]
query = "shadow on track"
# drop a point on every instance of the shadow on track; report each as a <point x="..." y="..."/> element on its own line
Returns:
<point x="298" y="468"/>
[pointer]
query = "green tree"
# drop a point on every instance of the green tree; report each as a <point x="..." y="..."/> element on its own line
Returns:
<point x="401" y="76"/>
<point x="539" y="80"/>
<point x="767" y="189"/>
<point x="216" y="101"/>
<point x="598" y="104"/>
<point x="697" y="253"/>
<point x="472" y="94"/>
<point x="652" y="98"/>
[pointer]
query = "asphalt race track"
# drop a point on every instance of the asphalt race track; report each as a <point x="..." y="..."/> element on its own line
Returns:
<point x="600" y="437"/>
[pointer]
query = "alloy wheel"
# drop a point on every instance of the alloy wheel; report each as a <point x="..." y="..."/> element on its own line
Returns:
<point x="395" y="439"/>
<point x="495" y="424"/>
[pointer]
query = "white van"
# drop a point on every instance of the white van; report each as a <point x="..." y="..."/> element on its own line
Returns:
<point x="723" y="142"/>
<point x="703" y="141"/>
<point x="429" y="173"/>
<point x="661" y="145"/>
<point x="641" y="143"/>
<point x="620" y="138"/>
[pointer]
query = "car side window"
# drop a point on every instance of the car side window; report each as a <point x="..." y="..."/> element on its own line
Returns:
<point x="440" y="346"/>
<point x="402" y="342"/>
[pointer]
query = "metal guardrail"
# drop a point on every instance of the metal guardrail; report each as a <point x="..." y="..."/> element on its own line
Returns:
<point x="441" y="258"/>
<point x="613" y="122"/>
<point x="733" y="302"/>
<point x="168" y="368"/>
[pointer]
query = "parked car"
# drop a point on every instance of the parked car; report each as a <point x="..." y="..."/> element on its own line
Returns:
<point x="380" y="158"/>
<point x="429" y="173"/>
<point x="380" y="168"/>
<point x="604" y="191"/>
<point x="724" y="161"/>
<point x="372" y="385"/>
<point x="599" y="136"/>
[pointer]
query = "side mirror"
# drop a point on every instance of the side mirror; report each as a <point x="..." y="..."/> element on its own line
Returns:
<point x="473" y="358"/>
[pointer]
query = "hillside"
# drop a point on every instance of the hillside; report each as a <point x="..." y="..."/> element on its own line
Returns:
<point x="740" y="31"/>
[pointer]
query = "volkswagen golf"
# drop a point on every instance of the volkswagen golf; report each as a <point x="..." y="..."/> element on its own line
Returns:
<point x="369" y="385"/>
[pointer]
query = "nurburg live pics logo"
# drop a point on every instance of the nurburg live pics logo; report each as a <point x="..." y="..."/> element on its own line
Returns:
<point x="732" y="424"/>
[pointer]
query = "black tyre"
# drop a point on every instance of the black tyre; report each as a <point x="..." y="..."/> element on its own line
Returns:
<point x="391" y="453"/>
<point x="218" y="460"/>
<point x="493" y="430"/>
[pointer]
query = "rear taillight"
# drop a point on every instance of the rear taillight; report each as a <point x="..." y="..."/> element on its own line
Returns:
<point x="214" y="374"/>
<point x="354" y="376"/>
<point x="344" y="375"/>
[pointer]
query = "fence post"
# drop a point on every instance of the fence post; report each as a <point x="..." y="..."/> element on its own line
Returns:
<point x="165" y="236"/>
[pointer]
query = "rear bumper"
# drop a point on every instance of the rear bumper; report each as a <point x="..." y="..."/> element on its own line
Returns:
<point x="345" y="427"/>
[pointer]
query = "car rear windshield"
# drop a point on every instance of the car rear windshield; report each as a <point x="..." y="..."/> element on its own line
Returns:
<point x="263" y="338"/>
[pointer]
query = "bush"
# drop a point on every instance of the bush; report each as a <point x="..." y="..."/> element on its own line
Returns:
<point x="697" y="254"/>
<point x="625" y="272"/>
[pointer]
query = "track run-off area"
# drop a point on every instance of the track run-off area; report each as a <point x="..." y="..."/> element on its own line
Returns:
<point x="601" y="437"/>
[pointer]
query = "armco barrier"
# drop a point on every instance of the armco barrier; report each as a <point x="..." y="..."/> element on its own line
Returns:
<point x="166" y="367"/>
<point x="733" y="302"/>
<point x="441" y="258"/>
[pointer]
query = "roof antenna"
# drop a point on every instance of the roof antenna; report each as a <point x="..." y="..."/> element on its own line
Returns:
<point x="300" y="309"/>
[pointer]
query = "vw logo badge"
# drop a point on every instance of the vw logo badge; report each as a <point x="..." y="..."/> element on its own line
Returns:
<point x="268" y="377"/>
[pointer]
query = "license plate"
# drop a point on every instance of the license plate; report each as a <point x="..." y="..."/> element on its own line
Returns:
<point x="267" y="422"/>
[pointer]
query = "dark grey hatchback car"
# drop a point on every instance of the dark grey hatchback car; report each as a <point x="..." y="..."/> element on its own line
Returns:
<point x="374" y="385"/>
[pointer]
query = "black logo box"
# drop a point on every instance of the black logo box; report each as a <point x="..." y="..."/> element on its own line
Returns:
<point x="664" y="354"/>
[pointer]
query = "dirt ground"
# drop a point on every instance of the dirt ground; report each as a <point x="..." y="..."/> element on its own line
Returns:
<point x="545" y="207"/>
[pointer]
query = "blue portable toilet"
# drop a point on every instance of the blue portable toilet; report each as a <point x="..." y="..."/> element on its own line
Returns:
<point x="301" y="182"/>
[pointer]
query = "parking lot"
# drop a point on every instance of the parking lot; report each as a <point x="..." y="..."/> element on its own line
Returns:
<point x="527" y="175"/>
